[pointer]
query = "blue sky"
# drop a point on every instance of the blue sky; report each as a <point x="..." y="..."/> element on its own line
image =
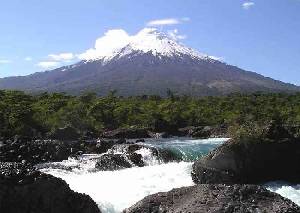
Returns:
<point x="257" y="35"/>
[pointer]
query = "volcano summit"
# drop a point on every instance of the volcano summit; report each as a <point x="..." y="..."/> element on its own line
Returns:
<point x="148" y="63"/>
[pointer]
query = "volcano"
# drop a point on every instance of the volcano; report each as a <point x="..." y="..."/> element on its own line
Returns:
<point x="150" y="63"/>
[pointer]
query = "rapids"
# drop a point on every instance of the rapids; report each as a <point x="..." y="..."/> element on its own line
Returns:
<point x="114" y="191"/>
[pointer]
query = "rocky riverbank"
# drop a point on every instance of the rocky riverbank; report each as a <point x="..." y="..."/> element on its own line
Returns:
<point x="274" y="154"/>
<point x="23" y="189"/>
<point x="215" y="198"/>
<point x="222" y="175"/>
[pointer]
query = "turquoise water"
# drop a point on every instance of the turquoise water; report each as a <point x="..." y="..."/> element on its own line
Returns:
<point x="187" y="149"/>
<point x="114" y="191"/>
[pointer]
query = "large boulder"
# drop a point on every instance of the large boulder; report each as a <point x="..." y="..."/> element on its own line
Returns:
<point x="215" y="198"/>
<point x="111" y="162"/>
<point x="23" y="189"/>
<point x="128" y="133"/>
<point x="161" y="154"/>
<point x="238" y="161"/>
<point x="122" y="156"/>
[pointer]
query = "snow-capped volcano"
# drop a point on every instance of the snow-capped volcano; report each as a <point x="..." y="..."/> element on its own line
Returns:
<point x="148" y="63"/>
<point x="148" y="40"/>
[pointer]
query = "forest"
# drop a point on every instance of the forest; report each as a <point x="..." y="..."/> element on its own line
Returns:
<point x="37" y="116"/>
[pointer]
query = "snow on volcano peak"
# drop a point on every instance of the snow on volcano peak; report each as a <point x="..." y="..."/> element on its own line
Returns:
<point x="117" y="43"/>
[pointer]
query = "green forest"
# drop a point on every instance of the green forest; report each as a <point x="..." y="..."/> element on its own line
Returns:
<point x="39" y="115"/>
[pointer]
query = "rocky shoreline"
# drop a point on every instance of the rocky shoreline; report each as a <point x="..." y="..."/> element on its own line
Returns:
<point x="222" y="177"/>
<point x="215" y="198"/>
<point x="23" y="189"/>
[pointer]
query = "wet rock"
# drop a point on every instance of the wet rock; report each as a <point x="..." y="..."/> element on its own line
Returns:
<point x="250" y="162"/>
<point x="215" y="198"/>
<point x="111" y="162"/>
<point x="136" y="159"/>
<point x="167" y="156"/>
<point x="131" y="148"/>
<point x="23" y="189"/>
<point x="39" y="151"/>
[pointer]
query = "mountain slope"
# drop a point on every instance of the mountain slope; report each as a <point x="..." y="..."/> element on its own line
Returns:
<point x="149" y="63"/>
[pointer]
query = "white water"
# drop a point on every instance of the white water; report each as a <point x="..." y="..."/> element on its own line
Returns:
<point x="286" y="190"/>
<point x="114" y="191"/>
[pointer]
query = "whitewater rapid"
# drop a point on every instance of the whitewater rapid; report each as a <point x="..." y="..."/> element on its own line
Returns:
<point x="114" y="191"/>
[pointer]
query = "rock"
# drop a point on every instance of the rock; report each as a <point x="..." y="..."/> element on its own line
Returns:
<point x="186" y="131"/>
<point x="23" y="189"/>
<point x="39" y="151"/>
<point x="128" y="133"/>
<point x="136" y="159"/>
<point x="215" y="198"/>
<point x="65" y="133"/>
<point x="203" y="131"/>
<point x="168" y="156"/>
<point x="132" y="155"/>
<point x="111" y="162"/>
<point x="250" y="162"/>
<point x="159" y="134"/>
<point x="131" y="148"/>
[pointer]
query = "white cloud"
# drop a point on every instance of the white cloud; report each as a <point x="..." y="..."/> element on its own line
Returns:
<point x="5" y="61"/>
<point x="28" y="59"/>
<point x="248" y="5"/>
<point x="175" y="35"/>
<point x="61" y="56"/>
<point x="112" y="39"/>
<point x="168" y="21"/>
<point x="48" y="64"/>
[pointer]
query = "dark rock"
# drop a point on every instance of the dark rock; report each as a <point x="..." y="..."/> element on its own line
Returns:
<point x="136" y="159"/>
<point x="39" y="151"/>
<point x="250" y="162"/>
<point x="215" y="198"/>
<point x="167" y="156"/>
<point x="111" y="162"/>
<point x="65" y="133"/>
<point x="159" y="134"/>
<point x="129" y="133"/>
<point x="186" y="131"/>
<point x="203" y="131"/>
<point x="23" y="189"/>
<point x="131" y="148"/>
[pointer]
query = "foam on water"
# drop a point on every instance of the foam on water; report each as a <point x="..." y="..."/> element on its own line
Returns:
<point x="186" y="148"/>
<point x="286" y="190"/>
<point x="114" y="191"/>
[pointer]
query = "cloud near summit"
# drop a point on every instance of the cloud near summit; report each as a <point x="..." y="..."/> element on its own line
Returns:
<point x="112" y="39"/>
<point x="115" y="39"/>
